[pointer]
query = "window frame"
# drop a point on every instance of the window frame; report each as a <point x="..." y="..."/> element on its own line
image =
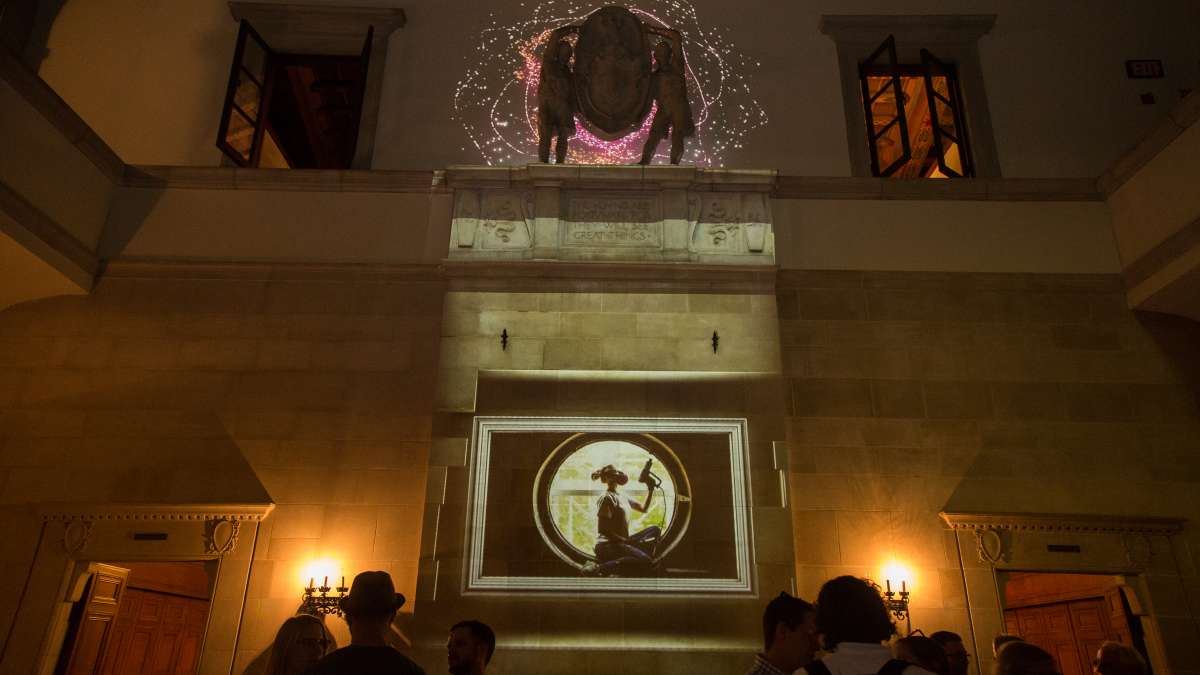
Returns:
<point x="334" y="31"/>
<point x="954" y="38"/>
<point x="926" y="71"/>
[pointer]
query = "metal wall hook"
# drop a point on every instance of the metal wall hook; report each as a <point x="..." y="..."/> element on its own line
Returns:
<point x="716" y="340"/>
<point x="504" y="340"/>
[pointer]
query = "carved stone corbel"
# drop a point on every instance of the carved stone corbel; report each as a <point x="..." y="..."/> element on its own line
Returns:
<point x="466" y="217"/>
<point x="990" y="545"/>
<point x="76" y="535"/>
<point x="754" y="206"/>
<point x="221" y="535"/>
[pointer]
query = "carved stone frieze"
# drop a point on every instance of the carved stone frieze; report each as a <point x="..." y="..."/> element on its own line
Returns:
<point x="1139" y="551"/>
<point x="76" y="535"/>
<point x="221" y="535"/>
<point x="990" y="545"/>
<point x="618" y="213"/>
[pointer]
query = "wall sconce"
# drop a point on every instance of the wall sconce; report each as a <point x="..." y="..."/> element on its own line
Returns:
<point x="317" y="600"/>
<point x="897" y="604"/>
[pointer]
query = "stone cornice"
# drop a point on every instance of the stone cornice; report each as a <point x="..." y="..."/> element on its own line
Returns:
<point x="959" y="189"/>
<point x="1180" y="119"/>
<point x="153" y="268"/>
<point x="1056" y="522"/>
<point x="56" y="111"/>
<point x="98" y="511"/>
<point x="925" y="29"/>
<point x="608" y="277"/>
<point x="305" y="28"/>
<point x="625" y="178"/>
<point x="295" y="180"/>
<point x="618" y="177"/>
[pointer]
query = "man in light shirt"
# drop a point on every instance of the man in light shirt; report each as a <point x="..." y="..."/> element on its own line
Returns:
<point x="854" y="625"/>
<point x="789" y="636"/>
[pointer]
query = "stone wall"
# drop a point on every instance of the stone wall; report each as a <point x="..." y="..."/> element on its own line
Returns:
<point x="313" y="391"/>
<point x="904" y="394"/>
<point x="918" y="393"/>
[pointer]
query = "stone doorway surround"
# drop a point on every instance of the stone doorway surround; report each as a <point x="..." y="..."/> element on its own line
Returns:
<point x="75" y="535"/>
<point x="1141" y="549"/>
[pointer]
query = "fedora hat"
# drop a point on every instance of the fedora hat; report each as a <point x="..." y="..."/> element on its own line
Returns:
<point x="371" y="594"/>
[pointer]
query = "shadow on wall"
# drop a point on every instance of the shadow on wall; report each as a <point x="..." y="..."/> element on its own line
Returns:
<point x="1117" y="440"/>
<point x="123" y="435"/>
<point x="128" y="210"/>
<point x="25" y="28"/>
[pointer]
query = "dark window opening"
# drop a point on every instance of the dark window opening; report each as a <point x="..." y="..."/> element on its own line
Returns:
<point x="299" y="111"/>
<point x="914" y="116"/>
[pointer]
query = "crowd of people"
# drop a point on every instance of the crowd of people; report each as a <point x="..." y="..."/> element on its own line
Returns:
<point x="851" y="628"/>
<point x="848" y="632"/>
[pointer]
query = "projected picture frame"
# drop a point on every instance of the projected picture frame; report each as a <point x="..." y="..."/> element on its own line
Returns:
<point x="613" y="506"/>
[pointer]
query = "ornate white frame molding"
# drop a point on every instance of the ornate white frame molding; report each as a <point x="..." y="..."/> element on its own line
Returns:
<point x="93" y="512"/>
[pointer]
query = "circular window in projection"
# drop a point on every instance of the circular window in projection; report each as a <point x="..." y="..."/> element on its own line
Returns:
<point x="567" y="499"/>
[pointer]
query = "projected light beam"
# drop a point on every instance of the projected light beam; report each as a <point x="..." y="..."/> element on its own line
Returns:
<point x="496" y="102"/>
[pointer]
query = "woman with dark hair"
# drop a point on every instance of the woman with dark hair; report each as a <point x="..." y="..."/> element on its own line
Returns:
<point x="618" y="552"/>
<point x="1114" y="658"/>
<point x="301" y="641"/>
<point x="1023" y="658"/>
<point x="854" y="625"/>
<point x="922" y="651"/>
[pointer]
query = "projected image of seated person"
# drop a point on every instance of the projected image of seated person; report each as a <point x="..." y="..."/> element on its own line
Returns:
<point x="619" y="553"/>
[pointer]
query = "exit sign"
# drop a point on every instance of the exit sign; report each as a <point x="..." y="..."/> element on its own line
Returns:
<point x="1144" y="69"/>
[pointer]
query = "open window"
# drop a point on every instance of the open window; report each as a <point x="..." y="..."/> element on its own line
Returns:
<point x="914" y="116"/>
<point x="887" y="90"/>
<point x="285" y="110"/>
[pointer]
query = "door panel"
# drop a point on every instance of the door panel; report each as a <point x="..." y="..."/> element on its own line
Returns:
<point x="1071" y="631"/>
<point x="160" y="634"/>
<point x="93" y="620"/>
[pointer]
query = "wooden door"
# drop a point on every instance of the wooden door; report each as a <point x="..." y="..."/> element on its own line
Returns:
<point x="157" y="634"/>
<point x="1093" y="626"/>
<point x="92" y="621"/>
<point x="1070" y="631"/>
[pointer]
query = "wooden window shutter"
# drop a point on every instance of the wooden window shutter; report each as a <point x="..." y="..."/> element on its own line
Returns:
<point x="879" y="76"/>
<point x="244" y="115"/>
<point x="945" y="115"/>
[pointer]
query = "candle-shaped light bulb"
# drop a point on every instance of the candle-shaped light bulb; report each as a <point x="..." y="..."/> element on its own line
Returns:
<point x="310" y="582"/>
<point x="343" y="581"/>
<point x="889" y="585"/>
<point x="903" y="586"/>
<point x="326" y="582"/>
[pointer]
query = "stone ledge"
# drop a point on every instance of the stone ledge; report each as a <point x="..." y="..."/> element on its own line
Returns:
<point x="300" y="180"/>
<point x="962" y="189"/>
<point x="155" y="268"/>
<point x="547" y="276"/>
<point x="619" y="177"/>
<point x="48" y="240"/>
<point x="1058" y="522"/>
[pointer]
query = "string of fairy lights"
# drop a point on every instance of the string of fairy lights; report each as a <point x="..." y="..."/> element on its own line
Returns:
<point x="496" y="101"/>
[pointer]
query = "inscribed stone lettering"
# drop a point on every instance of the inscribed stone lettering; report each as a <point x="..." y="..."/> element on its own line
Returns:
<point x="612" y="221"/>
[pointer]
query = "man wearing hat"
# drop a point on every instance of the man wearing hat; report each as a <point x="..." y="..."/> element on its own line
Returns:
<point x="369" y="608"/>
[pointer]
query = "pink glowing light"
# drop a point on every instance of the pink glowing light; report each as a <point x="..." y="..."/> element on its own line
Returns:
<point x="497" y="101"/>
